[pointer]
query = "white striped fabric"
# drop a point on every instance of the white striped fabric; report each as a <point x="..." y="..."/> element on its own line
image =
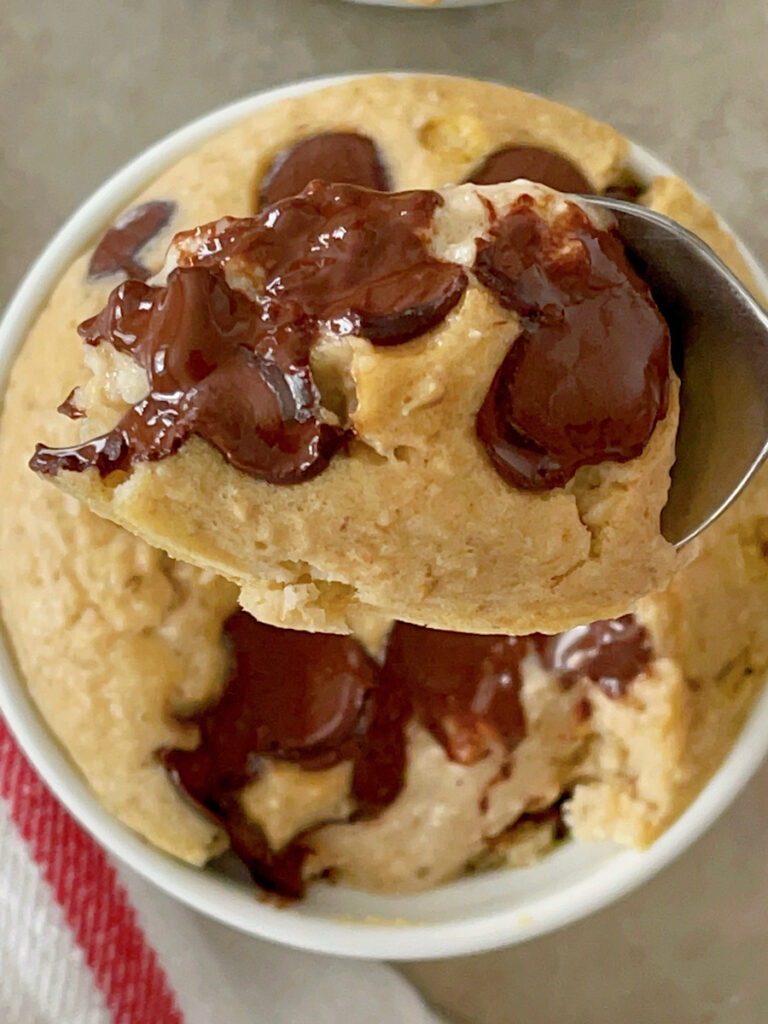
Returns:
<point x="43" y="974"/>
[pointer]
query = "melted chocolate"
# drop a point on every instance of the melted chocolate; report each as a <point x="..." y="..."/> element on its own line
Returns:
<point x="464" y="688"/>
<point x="588" y="379"/>
<point x="276" y="871"/>
<point x="611" y="653"/>
<point x="315" y="700"/>
<point x="352" y="259"/>
<point x="70" y="408"/>
<point x="215" y="371"/>
<point x="235" y="371"/>
<point x="307" y="698"/>
<point x="533" y="163"/>
<point x="119" y="249"/>
<point x="341" y="157"/>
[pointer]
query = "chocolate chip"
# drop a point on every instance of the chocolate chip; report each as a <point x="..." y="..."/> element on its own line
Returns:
<point x="611" y="653"/>
<point x="120" y="247"/>
<point x="463" y="687"/>
<point x="341" y="157"/>
<point x="533" y="163"/>
<point x="199" y="342"/>
<point x="588" y="379"/>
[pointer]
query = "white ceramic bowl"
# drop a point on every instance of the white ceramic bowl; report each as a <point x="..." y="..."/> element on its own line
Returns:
<point x="466" y="916"/>
<point x="427" y="7"/>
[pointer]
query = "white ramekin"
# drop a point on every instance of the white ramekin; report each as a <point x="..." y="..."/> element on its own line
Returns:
<point x="467" y="916"/>
<point x="427" y="7"/>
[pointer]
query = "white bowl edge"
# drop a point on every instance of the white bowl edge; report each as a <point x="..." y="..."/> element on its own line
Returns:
<point x="444" y="5"/>
<point x="372" y="927"/>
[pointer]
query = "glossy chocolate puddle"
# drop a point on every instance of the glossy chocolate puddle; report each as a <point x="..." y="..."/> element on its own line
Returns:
<point x="585" y="383"/>
<point x="234" y="369"/>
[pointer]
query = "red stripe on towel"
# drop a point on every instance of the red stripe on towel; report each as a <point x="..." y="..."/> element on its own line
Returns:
<point x="96" y="906"/>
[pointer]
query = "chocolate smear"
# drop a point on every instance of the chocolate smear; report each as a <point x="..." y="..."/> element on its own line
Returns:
<point x="214" y="371"/>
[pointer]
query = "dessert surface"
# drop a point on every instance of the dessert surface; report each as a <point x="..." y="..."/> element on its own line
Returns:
<point x="452" y="407"/>
<point x="412" y="518"/>
<point x="125" y="650"/>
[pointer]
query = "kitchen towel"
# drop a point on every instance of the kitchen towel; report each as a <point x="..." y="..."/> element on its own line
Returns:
<point x="85" y="942"/>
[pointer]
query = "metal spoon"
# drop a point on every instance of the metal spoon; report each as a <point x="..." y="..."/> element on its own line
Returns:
<point x="720" y="349"/>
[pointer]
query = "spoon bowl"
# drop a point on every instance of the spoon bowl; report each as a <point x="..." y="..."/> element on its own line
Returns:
<point x="719" y="349"/>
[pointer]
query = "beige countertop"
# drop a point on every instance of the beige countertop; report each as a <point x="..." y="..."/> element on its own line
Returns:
<point x="85" y="85"/>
